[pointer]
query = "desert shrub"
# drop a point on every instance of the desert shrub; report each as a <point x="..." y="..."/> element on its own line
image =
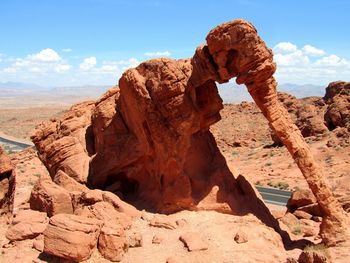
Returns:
<point x="283" y="185"/>
<point x="318" y="248"/>
<point x="296" y="229"/>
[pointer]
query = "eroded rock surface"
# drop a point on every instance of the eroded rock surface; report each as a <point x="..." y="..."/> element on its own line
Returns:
<point x="7" y="181"/>
<point x="148" y="141"/>
<point x="71" y="237"/>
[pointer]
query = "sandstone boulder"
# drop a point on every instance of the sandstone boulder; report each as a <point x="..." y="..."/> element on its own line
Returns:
<point x="68" y="183"/>
<point x="48" y="197"/>
<point x="300" y="198"/>
<point x="71" y="237"/>
<point x="193" y="241"/>
<point x="112" y="242"/>
<point x="105" y="212"/>
<point x="241" y="237"/>
<point x="7" y="180"/>
<point x="27" y="225"/>
<point x="338" y="110"/>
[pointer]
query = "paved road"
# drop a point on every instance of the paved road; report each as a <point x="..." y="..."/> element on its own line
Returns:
<point x="11" y="144"/>
<point x="273" y="195"/>
<point x="270" y="195"/>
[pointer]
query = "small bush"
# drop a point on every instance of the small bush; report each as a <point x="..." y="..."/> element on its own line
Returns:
<point x="296" y="229"/>
<point x="319" y="248"/>
<point x="283" y="185"/>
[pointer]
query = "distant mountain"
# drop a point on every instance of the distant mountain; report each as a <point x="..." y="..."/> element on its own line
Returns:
<point x="19" y="86"/>
<point x="229" y="92"/>
<point x="93" y="91"/>
<point x="302" y="91"/>
<point x="233" y="93"/>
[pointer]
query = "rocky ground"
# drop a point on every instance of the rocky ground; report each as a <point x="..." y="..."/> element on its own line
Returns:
<point x="245" y="140"/>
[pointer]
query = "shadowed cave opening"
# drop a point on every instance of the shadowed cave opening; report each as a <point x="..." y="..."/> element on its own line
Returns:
<point x="122" y="186"/>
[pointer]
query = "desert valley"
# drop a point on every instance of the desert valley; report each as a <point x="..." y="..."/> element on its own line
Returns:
<point x="163" y="168"/>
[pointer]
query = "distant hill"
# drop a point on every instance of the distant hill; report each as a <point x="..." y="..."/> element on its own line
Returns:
<point x="233" y="93"/>
<point x="17" y="94"/>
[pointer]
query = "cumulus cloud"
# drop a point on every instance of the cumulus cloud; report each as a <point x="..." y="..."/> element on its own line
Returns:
<point x="47" y="60"/>
<point x="67" y="50"/>
<point x="45" y="55"/>
<point x="332" y="61"/>
<point x="285" y="47"/>
<point x="158" y="54"/>
<point x="308" y="65"/>
<point x="312" y="51"/>
<point x="296" y="57"/>
<point x="88" y="63"/>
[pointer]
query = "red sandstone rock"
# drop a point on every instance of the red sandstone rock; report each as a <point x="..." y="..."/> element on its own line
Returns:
<point x="241" y="237"/>
<point x="157" y="239"/>
<point x="48" y="197"/>
<point x="106" y="213"/>
<point x="302" y="215"/>
<point x="27" y="225"/>
<point x="5" y="163"/>
<point x="162" y="222"/>
<point x="300" y="198"/>
<point x="338" y="111"/>
<point x="68" y="183"/>
<point x="38" y="243"/>
<point x="71" y="237"/>
<point x="150" y="143"/>
<point x="112" y="242"/>
<point x="7" y="181"/>
<point x="193" y="242"/>
<point x="135" y="239"/>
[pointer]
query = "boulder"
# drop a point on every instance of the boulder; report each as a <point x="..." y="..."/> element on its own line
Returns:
<point x="299" y="198"/>
<point x="71" y="237"/>
<point x="163" y="221"/>
<point x="157" y="239"/>
<point x="241" y="237"/>
<point x="105" y="212"/>
<point x="6" y="165"/>
<point x="48" y="197"/>
<point x="193" y="241"/>
<point x="112" y="242"/>
<point x="68" y="183"/>
<point x="135" y="239"/>
<point x="337" y="98"/>
<point x="7" y="180"/>
<point x="27" y="225"/>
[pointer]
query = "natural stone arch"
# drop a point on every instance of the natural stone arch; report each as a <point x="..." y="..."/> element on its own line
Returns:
<point x="235" y="50"/>
<point x="149" y="139"/>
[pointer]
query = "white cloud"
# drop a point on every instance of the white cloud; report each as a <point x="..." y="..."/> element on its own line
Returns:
<point x="47" y="60"/>
<point x="158" y="54"/>
<point x="47" y="68"/>
<point x="45" y="55"/>
<point x="88" y="63"/>
<point x="308" y="65"/>
<point x="312" y="51"/>
<point x="285" y="47"/>
<point x="332" y="61"/>
<point x="62" y="68"/>
<point x="295" y="58"/>
<point x="67" y="50"/>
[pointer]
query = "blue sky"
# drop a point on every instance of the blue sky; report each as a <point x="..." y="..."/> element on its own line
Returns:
<point x="75" y="42"/>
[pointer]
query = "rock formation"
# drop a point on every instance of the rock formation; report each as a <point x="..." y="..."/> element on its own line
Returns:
<point x="148" y="140"/>
<point x="7" y="181"/>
